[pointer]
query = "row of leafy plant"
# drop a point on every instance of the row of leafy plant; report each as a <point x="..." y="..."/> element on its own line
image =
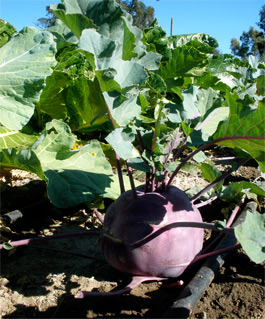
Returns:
<point x="93" y="92"/>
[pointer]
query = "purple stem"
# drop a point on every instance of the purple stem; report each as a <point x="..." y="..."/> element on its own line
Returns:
<point x="147" y="183"/>
<point x="179" y="151"/>
<point x="117" y="158"/>
<point x="27" y="241"/>
<point x="129" y="169"/>
<point x="206" y="202"/>
<point x="228" y="224"/>
<point x="220" y="159"/>
<point x="99" y="216"/>
<point x="204" y="146"/>
<point x="141" y="142"/>
<point x="234" y="213"/>
<point x="187" y="158"/>
<point x="158" y="232"/>
<point x="216" y="252"/>
<point x="136" y="281"/>
<point x="153" y="180"/>
<point x="118" y="165"/>
<point x="217" y="181"/>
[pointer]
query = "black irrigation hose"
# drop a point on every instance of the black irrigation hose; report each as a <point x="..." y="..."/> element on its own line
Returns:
<point x="192" y="293"/>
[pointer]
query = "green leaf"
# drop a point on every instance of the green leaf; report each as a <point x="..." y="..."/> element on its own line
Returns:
<point x="7" y="246"/>
<point x="251" y="235"/>
<point x="156" y="82"/>
<point x="139" y="164"/>
<point x="261" y="84"/>
<point x="207" y="101"/>
<point x="15" y="139"/>
<point x="25" y="61"/>
<point x="6" y="32"/>
<point x="201" y="41"/>
<point x="205" y="129"/>
<point x="121" y="140"/>
<point x="185" y="61"/>
<point x="70" y="13"/>
<point x="200" y="157"/>
<point x="86" y="106"/>
<point x="24" y="159"/>
<point x="74" y="176"/>
<point x="244" y="127"/>
<point x="129" y="41"/>
<point x="52" y="99"/>
<point x="187" y="110"/>
<point x="239" y="188"/>
<point x="98" y="49"/>
<point x="103" y="54"/>
<point x="122" y="109"/>
<point x="211" y="173"/>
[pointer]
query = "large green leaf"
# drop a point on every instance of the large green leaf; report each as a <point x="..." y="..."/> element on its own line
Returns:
<point x="187" y="110"/>
<point x="123" y="109"/>
<point x="86" y="106"/>
<point x="185" y="61"/>
<point x="207" y="101"/>
<point x="104" y="54"/>
<point x="111" y="22"/>
<point x="52" y="100"/>
<point x="70" y="13"/>
<point x="251" y="235"/>
<point x="74" y="176"/>
<point x="121" y="140"/>
<point x="25" y="159"/>
<point x="201" y="41"/>
<point x="25" y="61"/>
<point x="244" y="128"/>
<point x="16" y="139"/>
<point x="204" y="130"/>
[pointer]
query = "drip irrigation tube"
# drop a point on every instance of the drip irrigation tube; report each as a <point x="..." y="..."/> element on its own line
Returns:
<point x="192" y="293"/>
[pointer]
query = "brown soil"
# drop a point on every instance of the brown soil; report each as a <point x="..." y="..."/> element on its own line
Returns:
<point x="41" y="280"/>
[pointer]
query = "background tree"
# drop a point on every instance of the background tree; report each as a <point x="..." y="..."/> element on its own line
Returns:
<point x="44" y="23"/>
<point x="251" y="42"/>
<point x="142" y="15"/>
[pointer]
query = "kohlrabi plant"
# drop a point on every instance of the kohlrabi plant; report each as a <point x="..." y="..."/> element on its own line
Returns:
<point x="93" y="96"/>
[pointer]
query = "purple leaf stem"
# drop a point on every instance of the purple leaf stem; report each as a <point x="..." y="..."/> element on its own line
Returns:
<point x="204" y="225"/>
<point x="153" y="180"/>
<point x="228" y="224"/>
<point x="99" y="216"/>
<point x="28" y="241"/>
<point x="206" y="202"/>
<point x="136" y="281"/>
<point x="204" y="146"/>
<point x="221" y="159"/>
<point x="129" y="169"/>
<point x="117" y="158"/>
<point x="141" y="142"/>
<point x="218" y="180"/>
<point x="234" y="213"/>
<point x="118" y="166"/>
<point x="216" y="252"/>
<point x="179" y="151"/>
<point x="147" y="183"/>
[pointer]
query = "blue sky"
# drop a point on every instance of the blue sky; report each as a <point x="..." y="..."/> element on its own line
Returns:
<point x="223" y="19"/>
